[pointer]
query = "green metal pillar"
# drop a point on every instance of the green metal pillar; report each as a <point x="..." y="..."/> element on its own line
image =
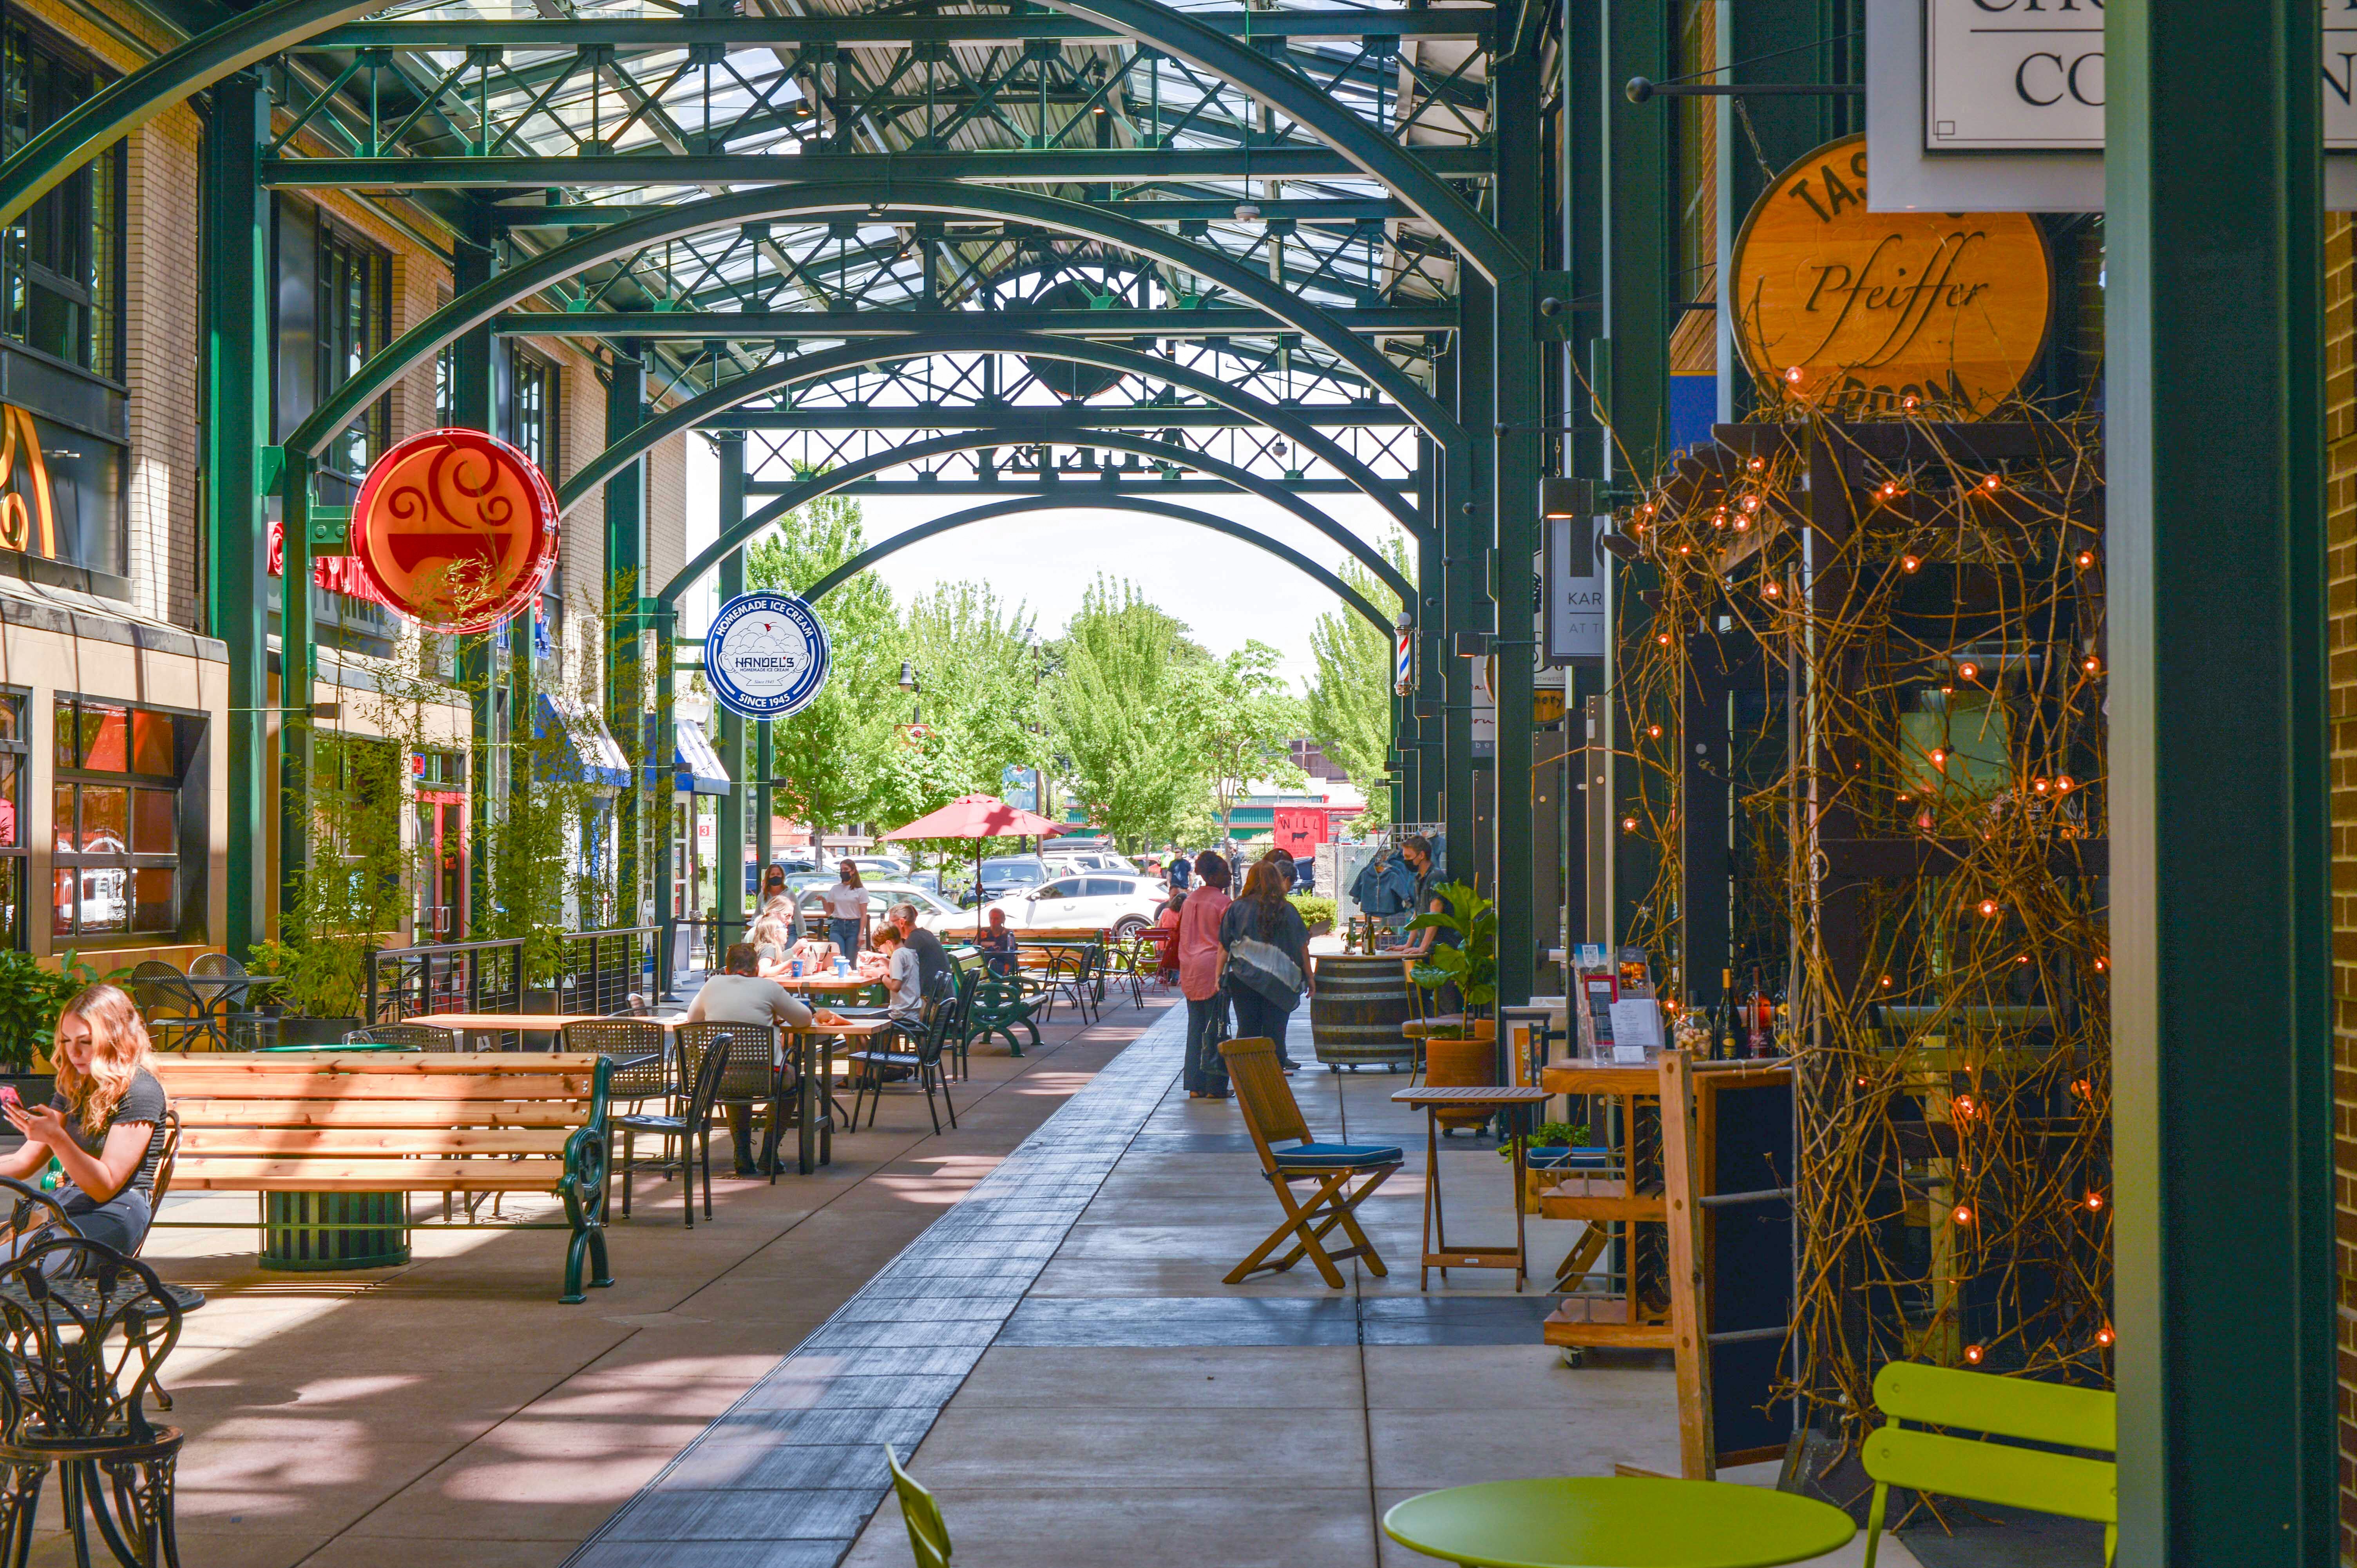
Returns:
<point x="664" y="773"/>
<point x="237" y="426"/>
<point x="729" y="843"/>
<point x="1520" y="409"/>
<point x="297" y="664"/>
<point x="626" y="701"/>
<point x="473" y="406"/>
<point x="2223" y="1144"/>
<point x="1431" y="588"/>
<point x="1465" y="555"/>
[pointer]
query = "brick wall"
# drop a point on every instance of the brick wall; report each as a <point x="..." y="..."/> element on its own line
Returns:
<point x="160" y="367"/>
<point x="666" y="511"/>
<point x="2341" y="548"/>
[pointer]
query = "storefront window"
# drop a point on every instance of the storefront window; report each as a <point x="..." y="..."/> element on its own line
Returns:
<point x="354" y="300"/>
<point x="115" y="821"/>
<point x="532" y="406"/>
<point x="62" y="264"/>
<point x="14" y="760"/>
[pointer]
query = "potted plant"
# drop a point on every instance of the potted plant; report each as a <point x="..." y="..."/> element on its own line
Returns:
<point x="322" y="984"/>
<point x="30" y="997"/>
<point x="1317" y="914"/>
<point x="1465" y="1054"/>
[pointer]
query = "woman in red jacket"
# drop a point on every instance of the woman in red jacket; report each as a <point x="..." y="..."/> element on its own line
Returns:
<point x="1199" y="955"/>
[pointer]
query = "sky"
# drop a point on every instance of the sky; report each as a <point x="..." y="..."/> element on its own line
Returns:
<point x="1227" y="592"/>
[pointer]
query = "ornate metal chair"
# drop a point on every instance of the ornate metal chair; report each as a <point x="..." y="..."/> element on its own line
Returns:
<point x="83" y="1333"/>
<point x="417" y="1037"/>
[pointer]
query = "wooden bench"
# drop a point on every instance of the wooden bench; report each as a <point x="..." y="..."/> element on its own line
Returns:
<point x="336" y="1122"/>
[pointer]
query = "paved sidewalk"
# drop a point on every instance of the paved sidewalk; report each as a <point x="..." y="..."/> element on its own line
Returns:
<point x="452" y="1412"/>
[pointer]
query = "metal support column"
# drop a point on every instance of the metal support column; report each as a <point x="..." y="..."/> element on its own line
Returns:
<point x="728" y="843"/>
<point x="1466" y="541"/>
<point x="662" y="769"/>
<point x="625" y="703"/>
<point x="1431" y="615"/>
<point x="237" y="424"/>
<point x="474" y="407"/>
<point x="2219" y="777"/>
<point x="1520" y="408"/>
<point x="297" y="666"/>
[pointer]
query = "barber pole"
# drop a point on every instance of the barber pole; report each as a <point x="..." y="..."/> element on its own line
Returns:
<point x="1404" y="661"/>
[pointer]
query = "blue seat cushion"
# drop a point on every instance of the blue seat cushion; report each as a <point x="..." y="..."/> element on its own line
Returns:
<point x="1334" y="1157"/>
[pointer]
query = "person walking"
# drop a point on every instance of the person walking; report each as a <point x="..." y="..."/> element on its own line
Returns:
<point x="1262" y="937"/>
<point x="847" y="910"/>
<point x="1200" y="959"/>
<point x="1179" y="872"/>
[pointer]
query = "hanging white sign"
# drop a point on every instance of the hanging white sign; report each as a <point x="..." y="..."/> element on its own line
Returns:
<point x="766" y="655"/>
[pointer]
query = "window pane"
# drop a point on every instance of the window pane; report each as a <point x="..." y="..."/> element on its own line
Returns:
<point x="65" y="735"/>
<point x="12" y="718"/>
<point x="106" y="738"/>
<point x="61" y="920"/>
<point x="151" y="744"/>
<point x="154" y="822"/>
<point x="12" y="783"/>
<point x="105" y="819"/>
<point x="153" y="909"/>
<point x="103" y="906"/>
<point x="62" y="818"/>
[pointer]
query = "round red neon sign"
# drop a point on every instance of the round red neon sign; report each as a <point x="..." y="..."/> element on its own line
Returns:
<point x="456" y="529"/>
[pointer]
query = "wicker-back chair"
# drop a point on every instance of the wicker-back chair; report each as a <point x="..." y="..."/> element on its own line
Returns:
<point x="753" y="1080"/>
<point x="415" y="1036"/>
<point x="641" y="1055"/>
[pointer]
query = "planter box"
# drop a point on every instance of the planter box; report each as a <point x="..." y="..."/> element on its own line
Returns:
<point x="315" y="1031"/>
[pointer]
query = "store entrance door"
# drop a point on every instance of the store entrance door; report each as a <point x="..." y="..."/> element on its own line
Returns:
<point x="442" y="847"/>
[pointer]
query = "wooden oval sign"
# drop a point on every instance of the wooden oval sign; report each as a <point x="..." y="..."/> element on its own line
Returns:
<point x="1858" y="312"/>
<point x="456" y="529"/>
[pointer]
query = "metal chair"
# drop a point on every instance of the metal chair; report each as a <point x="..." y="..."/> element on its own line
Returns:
<point x="929" y="1533"/>
<point x="170" y="1005"/>
<point x="701" y="1065"/>
<point x="417" y="1037"/>
<point x="755" y="1081"/>
<point x="1073" y="971"/>
<point x="218" y="981"/>
<point x="878" y="1065"/>
<point x="641" y="1055"/>
<point x="83" y="1333"/>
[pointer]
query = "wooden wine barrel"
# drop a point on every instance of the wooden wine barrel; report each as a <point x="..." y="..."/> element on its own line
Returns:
<point x="1358" y="1008"/>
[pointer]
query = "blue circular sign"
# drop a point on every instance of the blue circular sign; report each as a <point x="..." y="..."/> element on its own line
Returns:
<point x="766" y="655"/>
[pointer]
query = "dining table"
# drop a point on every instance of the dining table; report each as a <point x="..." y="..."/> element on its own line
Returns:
<point x="217" y="996"/>
<point x="1617" y="1522"/>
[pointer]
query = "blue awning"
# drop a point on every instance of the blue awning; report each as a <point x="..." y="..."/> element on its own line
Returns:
<point x="595" y="757"/>
<point x="700" y="769"/>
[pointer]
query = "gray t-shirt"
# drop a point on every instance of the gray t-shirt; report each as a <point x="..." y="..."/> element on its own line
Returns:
<point x="901" y="978"/>
<point x="142" y="1101"/>
<point x="746" y="999"/>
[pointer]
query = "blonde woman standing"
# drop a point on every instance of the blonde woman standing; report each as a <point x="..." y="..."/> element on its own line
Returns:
<point x="106" y="1124"/>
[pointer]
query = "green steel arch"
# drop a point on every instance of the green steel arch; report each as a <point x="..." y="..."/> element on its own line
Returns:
<point x="1149" y="505"/>
<point x="929" y="197"/>
<point x="735" y="537"/>
<point x="713" y="405"/>
<point x="130" y="102"/>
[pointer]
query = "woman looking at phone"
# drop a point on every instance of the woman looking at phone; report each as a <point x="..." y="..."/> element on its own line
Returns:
<point x="106" y="1124"/>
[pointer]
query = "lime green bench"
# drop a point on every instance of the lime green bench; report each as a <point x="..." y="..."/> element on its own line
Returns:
<point x="1981" y="1469"/>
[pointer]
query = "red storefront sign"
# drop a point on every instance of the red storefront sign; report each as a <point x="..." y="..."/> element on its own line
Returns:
<point x="455" y="529"/>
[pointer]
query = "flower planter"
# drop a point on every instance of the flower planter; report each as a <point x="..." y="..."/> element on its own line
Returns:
<point x="1468" y="1063"/>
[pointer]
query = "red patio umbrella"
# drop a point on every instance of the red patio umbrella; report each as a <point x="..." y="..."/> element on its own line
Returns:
<point x="978" y="817"/>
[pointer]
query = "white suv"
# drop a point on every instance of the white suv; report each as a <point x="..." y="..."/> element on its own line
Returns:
<point x="1094" y="900"/>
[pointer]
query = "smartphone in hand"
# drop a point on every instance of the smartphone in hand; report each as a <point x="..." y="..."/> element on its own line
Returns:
<point x="8" y="1097"/>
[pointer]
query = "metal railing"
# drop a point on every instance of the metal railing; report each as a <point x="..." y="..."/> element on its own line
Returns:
<point x="597" y="972"/>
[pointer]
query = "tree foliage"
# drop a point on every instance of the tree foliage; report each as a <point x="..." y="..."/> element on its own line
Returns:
<point x="1349" y="707"/>
<point x="831" y="760"/>
<point x="1242" y="716"/>
<point x="977" y="663"/>
<point x="1122" y="704"/>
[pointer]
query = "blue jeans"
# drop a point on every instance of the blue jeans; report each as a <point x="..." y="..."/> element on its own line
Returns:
<point x="846" y="937"/>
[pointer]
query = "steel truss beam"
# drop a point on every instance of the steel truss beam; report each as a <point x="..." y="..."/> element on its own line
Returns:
<point x="834" y="479"/>
<point x="1013" y="166"/>
<point x="1142" y="504"/>
<point x="1105" y="481"/>
<point x="715" y="406"/>
<point x="1132" y="417"/>
<point x="884" y="28"/>
<point x="419" y="344"/>
<point x="788" y="326"/>
<point x="1318" y="211"/>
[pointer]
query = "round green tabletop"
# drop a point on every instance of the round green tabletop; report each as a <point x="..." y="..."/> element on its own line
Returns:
<point x="1617" y="1522"/>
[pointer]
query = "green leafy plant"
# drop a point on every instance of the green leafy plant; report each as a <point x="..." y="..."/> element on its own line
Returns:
<point x="1548" y="1135"/>
<point x="319" y="977"/>
<point x="1315" y="911"/>
<point x="30" y="998"/>
<point x="1471" y="963"/>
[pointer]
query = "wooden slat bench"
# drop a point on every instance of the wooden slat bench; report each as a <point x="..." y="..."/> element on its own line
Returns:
<point x="379" y="1122"/>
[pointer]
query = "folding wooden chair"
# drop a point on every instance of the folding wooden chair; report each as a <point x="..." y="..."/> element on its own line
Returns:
<point x="929" y="1533"/>
<point x="1271" y="1112"/>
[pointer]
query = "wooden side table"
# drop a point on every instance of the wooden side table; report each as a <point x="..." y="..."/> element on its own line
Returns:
<point x="1438" y="1252"/>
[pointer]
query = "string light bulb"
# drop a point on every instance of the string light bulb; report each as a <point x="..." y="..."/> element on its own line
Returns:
<point x="2105" y="1337"/>
<point x="2094" y="1203"/>
<point x="1792" y="375"/>
<point x="2086" y="559"/>
<point x="1968" y="670"/>
<point x="1908" y="562"/>
<point x="2092" y="665"/>
<point x="1628" y="824"/>
<point x="1757" y="464"/>
<point x="1752" y="503"/>
<point x="1988" y="907"/>
<point x="1653" y="730"/>
<point x="2064" y="784"/>
<point x="1964" y="1104"/>
<point x="1990" y="483"/>
<point x="1962" y="1214"/>
<point x="1974" y="1355"/>
<point x="1772" y="588"/>
<point x="1886" y="983"/>
<point x="1939" y="756"/>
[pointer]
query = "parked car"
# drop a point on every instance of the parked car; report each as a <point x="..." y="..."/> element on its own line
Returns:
<point x="1060" y="859"/>
<point x="1006" y="873"/>
<point x="877" y="865"/>
<point x="1123" y="905"/>
<point x="933" y="912"/>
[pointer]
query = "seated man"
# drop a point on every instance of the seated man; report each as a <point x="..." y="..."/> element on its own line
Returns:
<point x="997" y="945"/>
<point x="932" y="959"/>
<point x="740" y="995"/>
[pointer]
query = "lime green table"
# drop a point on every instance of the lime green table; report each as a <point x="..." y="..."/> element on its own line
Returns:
<point x="1617" y="1522"/>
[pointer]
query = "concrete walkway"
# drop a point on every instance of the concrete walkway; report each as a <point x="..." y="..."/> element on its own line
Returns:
<point x="451" y="1411"/>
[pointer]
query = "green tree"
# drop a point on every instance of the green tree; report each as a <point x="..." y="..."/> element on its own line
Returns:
<point x="1349" y="704"/>
<point x="1124" y="705"/>
<point x="831" y="759"/>
<point x="976" y="661"/>
<point x="1242" y="718"/>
